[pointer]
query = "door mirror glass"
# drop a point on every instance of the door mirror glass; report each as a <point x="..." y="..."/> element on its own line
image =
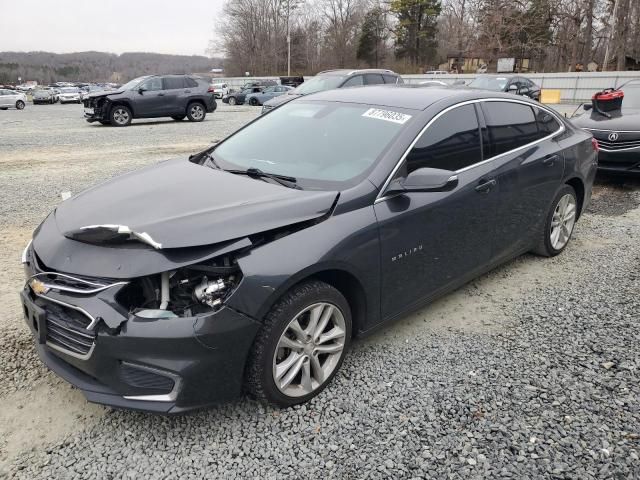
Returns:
<point x="512" y="88"/>
<point x="142" y="90"/>
<point x="425" y="180"/>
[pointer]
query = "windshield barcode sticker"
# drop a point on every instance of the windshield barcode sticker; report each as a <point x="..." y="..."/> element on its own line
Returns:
<point x="388" y="115"/>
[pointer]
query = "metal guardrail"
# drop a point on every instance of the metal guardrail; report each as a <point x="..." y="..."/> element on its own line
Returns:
<point x="574" y="87"/>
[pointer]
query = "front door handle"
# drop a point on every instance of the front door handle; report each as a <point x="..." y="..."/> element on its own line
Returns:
<point x="486" y="186"/>
<point x="161" y="94"/>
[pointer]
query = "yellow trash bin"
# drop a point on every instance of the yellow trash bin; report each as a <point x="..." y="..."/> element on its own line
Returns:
<point x="549" y="96"/>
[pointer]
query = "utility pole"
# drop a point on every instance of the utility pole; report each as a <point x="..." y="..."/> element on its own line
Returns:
<point x="288" y="40"/>
<point x="614" y="17"/>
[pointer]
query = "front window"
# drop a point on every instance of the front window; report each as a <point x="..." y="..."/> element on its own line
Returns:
<point x="319" y="83"/>
<point x="496" y="84"/>
<point x="132" y="84"/>
<point x="323" y="145"/>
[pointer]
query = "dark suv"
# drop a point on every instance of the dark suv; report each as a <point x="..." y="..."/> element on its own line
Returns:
<point x="330" y="79"/>
<point x="175" y="96"/>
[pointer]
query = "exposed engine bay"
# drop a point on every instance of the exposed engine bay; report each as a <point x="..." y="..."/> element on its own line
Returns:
<point x="183" y="292"/>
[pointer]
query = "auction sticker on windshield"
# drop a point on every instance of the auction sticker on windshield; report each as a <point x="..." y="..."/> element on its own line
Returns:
<point x="388" y="115"/>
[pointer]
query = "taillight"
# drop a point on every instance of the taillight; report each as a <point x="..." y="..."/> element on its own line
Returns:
<point x="595" y="145"/>
<point x="211" y="90"/>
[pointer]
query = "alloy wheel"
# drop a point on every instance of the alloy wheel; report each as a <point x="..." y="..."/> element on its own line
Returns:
<point x="309" y="349"/>
<point x="197" y="112"/>
<point x="19" y="104"/>
<point x="120" y="116"/>
<point x="563" y="221"/>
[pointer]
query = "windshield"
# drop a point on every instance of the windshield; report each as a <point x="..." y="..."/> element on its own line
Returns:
<point x="319" y="83"/>
<point x="496" y="84"/>
<point x="131" y="84"/>
<point x="321" y="144"/>
<point x="631" y="95"/>
<point x="70" y="90"/>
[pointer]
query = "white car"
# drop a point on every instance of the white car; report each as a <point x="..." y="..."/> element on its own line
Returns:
<point x="219" y="89"/>
<point x="12" y="99"/>
<point x="69" y="95"/>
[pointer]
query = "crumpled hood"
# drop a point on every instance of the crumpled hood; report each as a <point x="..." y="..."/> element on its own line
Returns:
<point x="625" y="119"/>
<point x="103" y="93"/>
<point x="181" y="204"/>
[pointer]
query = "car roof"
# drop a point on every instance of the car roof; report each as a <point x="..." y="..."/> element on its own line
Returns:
<point x="415" y="97"/>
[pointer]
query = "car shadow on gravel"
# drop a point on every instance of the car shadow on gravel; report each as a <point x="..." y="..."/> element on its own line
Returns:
<point x="614" y="195"/>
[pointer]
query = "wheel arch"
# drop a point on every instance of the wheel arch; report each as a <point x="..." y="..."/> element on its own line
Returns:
<point x="126" y="103"/>
<point x="339" y="277"/>
<point x="578" y="186"/>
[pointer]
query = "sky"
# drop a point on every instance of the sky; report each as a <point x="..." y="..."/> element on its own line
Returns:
<point x="179" y="27"/>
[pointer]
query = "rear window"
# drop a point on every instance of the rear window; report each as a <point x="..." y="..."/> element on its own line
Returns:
<point x="173" y="83"/>
<point x="391" y="79"/>
<point x="373" y="79"/>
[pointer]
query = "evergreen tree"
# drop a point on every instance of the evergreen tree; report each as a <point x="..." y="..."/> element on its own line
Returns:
<point x="416" y="29"/>
<point x="372" y="37"/>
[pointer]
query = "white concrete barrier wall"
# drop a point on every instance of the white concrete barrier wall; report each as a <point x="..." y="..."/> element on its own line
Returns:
<point x="574" y="87"/>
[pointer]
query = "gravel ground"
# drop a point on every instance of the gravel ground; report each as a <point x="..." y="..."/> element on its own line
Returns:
<point x="531" y="371"/>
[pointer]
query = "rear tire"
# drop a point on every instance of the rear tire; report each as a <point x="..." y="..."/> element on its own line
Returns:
<point x="20" y="105"/>
<point x="559" y="223"/>
<point x="299" y="353"/>
<point x="232" y="101"/>
<point x="196" y="112"/>
<point x="120" y="116"/>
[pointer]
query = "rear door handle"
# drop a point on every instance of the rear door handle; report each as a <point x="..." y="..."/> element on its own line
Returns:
<point x="187" y="91"/>
<point x="161" y="94"/>
<point x="486" y="186"/>
<point x="550" y="160"/>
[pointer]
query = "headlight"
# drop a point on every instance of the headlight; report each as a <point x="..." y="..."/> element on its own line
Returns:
<point x="184" y="292"/>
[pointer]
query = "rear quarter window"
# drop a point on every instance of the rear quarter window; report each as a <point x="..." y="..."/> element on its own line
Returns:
<point x="190" y="82"/>
<point x="511" y="125"/>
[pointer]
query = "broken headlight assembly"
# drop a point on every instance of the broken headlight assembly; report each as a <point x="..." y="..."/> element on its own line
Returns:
<point x="185" y="292"/>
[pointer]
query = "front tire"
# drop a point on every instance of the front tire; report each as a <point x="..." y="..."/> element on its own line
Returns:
<point x="196" y="112"/>
<point x="120" y="116"/>
<point x="253" y="101"/>
<point x="232" y="101"/>
<point x="20" y="105"/>
<point x="300" y="346"/>
<point x="559" y="223"/>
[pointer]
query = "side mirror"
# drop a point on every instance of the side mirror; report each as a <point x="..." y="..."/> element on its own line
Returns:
<point x="587" y="106"/>
<point x="141" y="90"/>
<point x="523" y="90"/>
<point x="425" y="180"/>
<point x="512" y="88"/>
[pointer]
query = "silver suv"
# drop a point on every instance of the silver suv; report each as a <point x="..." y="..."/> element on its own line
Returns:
<point x="330" y="79"/>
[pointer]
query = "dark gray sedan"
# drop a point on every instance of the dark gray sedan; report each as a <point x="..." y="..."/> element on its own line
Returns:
<point x="255" y="263"/>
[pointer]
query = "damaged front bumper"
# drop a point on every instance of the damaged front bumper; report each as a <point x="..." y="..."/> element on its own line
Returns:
<point x="164" y="365"/>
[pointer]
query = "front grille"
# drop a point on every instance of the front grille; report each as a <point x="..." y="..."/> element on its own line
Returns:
<point x="136" y="377"/>
<point x="625" y="140"/>
<point x="66" y="330"/>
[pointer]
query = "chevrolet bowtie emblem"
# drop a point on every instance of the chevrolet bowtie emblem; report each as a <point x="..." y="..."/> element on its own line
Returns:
<point x="38" y="287"/>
